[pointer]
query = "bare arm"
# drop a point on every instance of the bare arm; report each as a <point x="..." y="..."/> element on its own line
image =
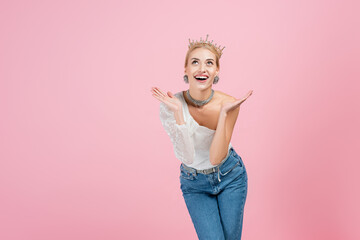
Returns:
<point x="220" y="144"/>
<point x="224" y="130"/>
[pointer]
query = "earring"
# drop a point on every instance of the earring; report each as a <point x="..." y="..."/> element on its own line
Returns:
<point x="216" y="79"/>
<point x="186" y="79"/>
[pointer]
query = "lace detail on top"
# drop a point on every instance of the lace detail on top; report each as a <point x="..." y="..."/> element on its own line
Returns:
<point x="191" y="141"/>
<point x="180" y="135"/>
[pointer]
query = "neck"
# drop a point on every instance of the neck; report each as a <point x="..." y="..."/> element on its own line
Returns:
<point x="200" y="94"/>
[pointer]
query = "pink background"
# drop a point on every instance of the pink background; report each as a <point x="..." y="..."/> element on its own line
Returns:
<point x="83" y="153"/>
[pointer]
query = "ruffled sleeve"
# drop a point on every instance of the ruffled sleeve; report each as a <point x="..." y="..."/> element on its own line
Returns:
<point x="180" y="135"/>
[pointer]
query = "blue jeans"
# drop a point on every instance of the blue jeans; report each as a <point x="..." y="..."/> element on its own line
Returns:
<point x="216" y="201"/>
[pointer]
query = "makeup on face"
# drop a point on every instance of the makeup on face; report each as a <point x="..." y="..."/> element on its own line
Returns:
<point x="202" y="65"/>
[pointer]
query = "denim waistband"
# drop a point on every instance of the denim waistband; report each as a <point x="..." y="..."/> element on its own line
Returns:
<point x="209" y="170"/>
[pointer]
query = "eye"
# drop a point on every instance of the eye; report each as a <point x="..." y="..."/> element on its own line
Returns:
<point x="195" y="61"/>
<point x="211" y="63"/>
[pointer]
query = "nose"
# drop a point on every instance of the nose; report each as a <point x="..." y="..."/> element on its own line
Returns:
<point x="202" y="67"/>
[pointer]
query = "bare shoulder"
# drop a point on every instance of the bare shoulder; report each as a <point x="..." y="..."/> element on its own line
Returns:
<point x="223" y="97"/>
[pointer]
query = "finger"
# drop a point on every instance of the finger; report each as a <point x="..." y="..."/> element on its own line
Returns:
<point x="154" y="92"/>
<point x="243" y="100"/>
<point x="170" y="94"/>
<point x="247" y="96"/>
<point x="236" y="104"/>
<point x="239" y="101"/>
<point x="159" y="92"/>
<point x="159" y="98"/>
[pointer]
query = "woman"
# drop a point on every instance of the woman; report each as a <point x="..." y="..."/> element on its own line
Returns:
<point x="200" y="123"/>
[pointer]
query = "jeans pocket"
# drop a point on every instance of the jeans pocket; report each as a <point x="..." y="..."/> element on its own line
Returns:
<point x="184" y="174"/>
<point x="235" y="163"/>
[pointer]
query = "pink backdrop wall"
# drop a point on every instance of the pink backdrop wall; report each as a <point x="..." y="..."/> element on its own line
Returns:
<point x="83" y="154"/>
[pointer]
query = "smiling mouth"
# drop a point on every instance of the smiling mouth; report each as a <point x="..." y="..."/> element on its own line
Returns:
<point x="201" y="78"/>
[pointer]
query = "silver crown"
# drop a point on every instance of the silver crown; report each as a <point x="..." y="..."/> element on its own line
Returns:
<point x="217" y="48"/>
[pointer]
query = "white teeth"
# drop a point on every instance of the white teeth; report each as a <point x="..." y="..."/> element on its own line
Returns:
<point x="201" y="78"/>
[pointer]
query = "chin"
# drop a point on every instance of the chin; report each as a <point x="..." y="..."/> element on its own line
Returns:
<point x="203" y="87"/>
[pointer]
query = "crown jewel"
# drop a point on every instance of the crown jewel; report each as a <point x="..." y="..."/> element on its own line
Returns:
<point x="204" y="42"/>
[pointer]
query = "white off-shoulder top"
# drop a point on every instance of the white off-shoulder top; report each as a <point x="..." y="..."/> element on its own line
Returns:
<point x="191" y="142"/>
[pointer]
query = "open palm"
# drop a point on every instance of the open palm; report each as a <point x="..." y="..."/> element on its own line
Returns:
<point x="229" y="106"/>
<point x="169" y="99"/>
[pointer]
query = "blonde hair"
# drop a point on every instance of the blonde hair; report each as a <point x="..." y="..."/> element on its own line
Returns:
<point x="211" y="48"/>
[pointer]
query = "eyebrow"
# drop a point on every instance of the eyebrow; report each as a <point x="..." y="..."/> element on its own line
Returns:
<point x="206" y="59"/>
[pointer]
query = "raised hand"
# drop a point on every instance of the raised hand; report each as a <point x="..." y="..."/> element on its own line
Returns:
<point x="169" y="99"/>
<point x="229" y="106"/>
